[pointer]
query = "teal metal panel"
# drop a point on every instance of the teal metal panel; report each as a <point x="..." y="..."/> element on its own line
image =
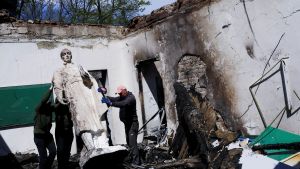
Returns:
<point x="17" y="104"/>
<point x="276" y="136"/>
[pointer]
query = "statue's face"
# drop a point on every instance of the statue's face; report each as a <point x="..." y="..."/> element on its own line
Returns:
<point x="66" y="56"/>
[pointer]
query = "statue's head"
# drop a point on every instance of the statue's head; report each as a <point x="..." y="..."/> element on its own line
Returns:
<point x="66" y="55"/>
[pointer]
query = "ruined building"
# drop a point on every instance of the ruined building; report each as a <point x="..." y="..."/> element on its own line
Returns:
<point x="239" y="57"/>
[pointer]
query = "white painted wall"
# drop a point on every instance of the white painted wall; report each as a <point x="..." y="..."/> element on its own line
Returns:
<point x="27" y="64"/>
<point x="220" y="33"/>
<point x="23" y="62"/>
<point x="269" y="19"/>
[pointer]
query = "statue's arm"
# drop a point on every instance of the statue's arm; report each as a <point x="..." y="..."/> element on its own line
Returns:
<point x="84" y="72"/>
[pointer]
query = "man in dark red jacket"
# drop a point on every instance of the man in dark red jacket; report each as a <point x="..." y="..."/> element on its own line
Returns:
<point x="127" y="104"/>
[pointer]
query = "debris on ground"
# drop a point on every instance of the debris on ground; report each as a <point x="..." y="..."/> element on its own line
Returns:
<point x="202" y="140"/>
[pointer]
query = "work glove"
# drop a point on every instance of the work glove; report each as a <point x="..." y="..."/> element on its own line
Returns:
<point x="106" y="100"/>
<point x="102" y="90"/>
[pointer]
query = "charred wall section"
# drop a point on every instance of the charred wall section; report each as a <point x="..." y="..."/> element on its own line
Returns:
<point x="183" y="36"/>
<point x="192" y="74"/>
<point x="187" y="32"/>
<point x="237" y="43"/>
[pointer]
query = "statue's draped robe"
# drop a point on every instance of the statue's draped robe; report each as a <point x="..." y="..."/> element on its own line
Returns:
<point x="84" y="102"/>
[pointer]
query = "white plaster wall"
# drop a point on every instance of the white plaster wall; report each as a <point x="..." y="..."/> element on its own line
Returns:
<point x="26" y="64"/>
<point x="270" y="19"/>
<point x="121" y="72"/>
<point x="145" y="45"/>
<point x="220" y="33"/>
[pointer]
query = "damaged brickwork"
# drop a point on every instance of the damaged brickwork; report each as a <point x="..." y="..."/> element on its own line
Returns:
<point x="18" y="30"/>
<point x="178" y="8"/>
<point x="192" y="73"/>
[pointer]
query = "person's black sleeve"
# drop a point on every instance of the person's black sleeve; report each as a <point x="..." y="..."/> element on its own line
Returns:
<point x="126" y="102"/>
<point x="113" y="99"/>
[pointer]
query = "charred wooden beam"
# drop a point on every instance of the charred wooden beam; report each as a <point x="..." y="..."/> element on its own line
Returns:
<point x="291" y="146"/>
<point x="199" y="126"/>
<point x="191" y="121"/>
<point x="188" y="162"/>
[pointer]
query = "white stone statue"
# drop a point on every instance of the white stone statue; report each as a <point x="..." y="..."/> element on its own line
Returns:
<point x="76" y="87"/>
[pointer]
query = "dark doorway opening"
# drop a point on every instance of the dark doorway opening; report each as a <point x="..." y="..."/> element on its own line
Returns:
<point x="100" y="76"/>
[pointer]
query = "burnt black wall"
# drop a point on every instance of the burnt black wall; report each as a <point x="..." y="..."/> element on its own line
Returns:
<point x="10" y="5"/>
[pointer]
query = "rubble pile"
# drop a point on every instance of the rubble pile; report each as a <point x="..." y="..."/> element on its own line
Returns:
<point x="153" y="154"/>
<point x="202" y="140"/>
<point x="27" y="161"/>
<point x="202" y="132"/>
<point x="30" y="161"/>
